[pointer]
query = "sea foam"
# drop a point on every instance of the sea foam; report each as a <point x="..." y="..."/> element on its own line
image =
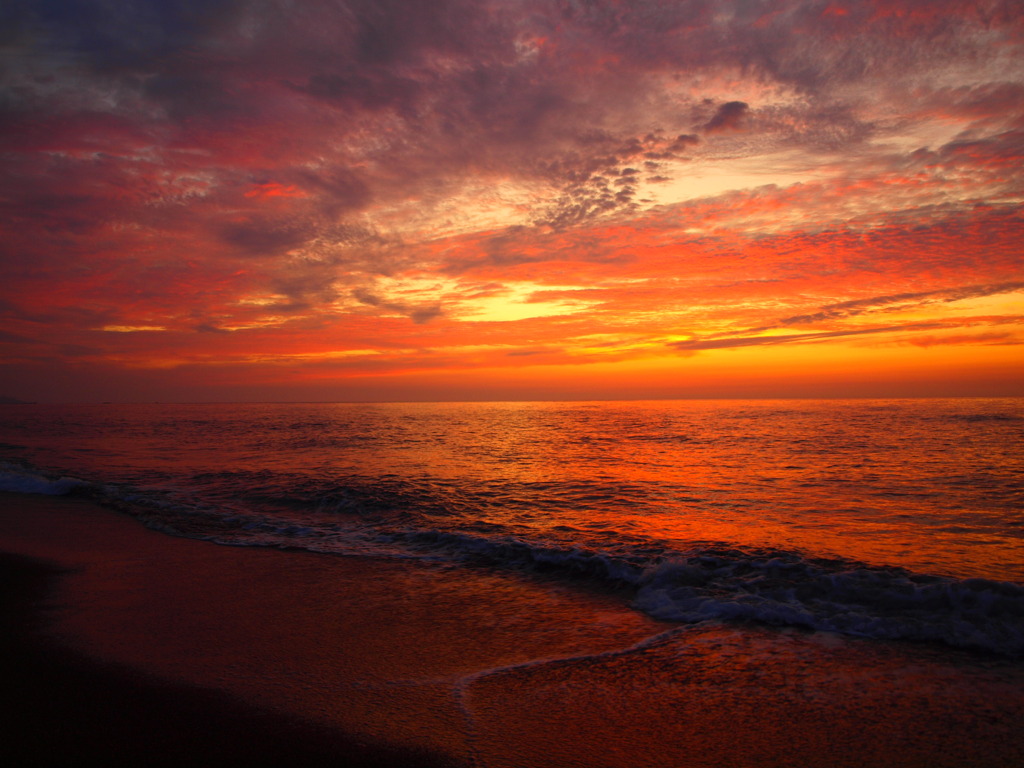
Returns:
<point x="852" y="598"/>
<point x="715" y="581"/>
<point x="14" y="479"/>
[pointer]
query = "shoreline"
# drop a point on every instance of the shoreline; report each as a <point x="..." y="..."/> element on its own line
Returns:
<point x="132" y="642"/>
<point x="358" y="656"/>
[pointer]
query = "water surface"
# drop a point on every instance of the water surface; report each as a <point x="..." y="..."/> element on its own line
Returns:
<point x="892" y="518"/>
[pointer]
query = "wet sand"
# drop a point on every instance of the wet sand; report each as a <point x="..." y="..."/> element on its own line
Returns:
<point x="121" y="641"/>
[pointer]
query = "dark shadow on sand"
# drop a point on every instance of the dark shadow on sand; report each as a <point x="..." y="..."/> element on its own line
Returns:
<point x="59" y="708"/>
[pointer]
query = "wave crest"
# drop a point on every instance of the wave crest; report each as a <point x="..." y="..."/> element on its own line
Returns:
<point x="838" y="596"/>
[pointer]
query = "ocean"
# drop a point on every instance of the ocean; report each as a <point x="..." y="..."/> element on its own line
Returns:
<point x="897" y="520"/>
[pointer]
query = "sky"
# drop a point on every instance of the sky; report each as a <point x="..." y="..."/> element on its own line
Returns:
<point x="368" y="200"/>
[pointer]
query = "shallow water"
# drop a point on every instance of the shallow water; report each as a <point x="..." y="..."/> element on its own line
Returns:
<point x="892" y="519"/>
<point x="505" y="668"/>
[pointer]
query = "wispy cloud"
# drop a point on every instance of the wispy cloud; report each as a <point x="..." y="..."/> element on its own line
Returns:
<point x="900" y="301"/>
<point x="796" y="338"/>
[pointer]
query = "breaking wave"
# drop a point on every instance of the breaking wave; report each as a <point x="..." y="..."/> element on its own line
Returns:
<point x="700" y="582"/>
<point x="16" y="479"/>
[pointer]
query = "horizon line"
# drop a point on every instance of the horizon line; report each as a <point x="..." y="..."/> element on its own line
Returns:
<point x="513" y="400"/>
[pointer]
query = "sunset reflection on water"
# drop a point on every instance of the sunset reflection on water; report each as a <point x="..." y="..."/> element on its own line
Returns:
<point x="932" y="485"/>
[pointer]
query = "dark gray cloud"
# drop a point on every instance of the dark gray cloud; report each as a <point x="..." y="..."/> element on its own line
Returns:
<point x="118" y="35"/>
<point x="795" y="338"/>
<point x="684" y="141"/>
<point x="898" y="301"/>
<point x="14" y="338"/>
<point x="855" y="308"/>
<point x="728" y="117"/>
<point x="354" y="89"/>
<point x="530" y="352"/>
<point x="77" y="350"/>
<point x="424" y="314"/>
<point x="418" y="314"/>
<point x="260" y="236"/>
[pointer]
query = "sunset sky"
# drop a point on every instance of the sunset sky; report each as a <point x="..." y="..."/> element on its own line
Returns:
<point x="510" y="199"/>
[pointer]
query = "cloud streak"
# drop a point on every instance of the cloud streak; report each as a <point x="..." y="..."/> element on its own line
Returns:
<point x="856" y="307"/>
<point x="797" y="338"/>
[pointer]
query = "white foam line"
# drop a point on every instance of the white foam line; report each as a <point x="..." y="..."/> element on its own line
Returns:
<point x="460" y="684"/>
<point x="461" y="681"/>
<point x="640" y="645"/>
<point x="461" y="688"/>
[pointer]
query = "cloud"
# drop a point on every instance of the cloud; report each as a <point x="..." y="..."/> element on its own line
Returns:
<point x="856" y="307"/>
<point x="78" y="350"/>
<point x="260" y="236"/>
<point x="419" y="314"/>
<point x="729" y="117"/>
<point x="534" y="351"/>
<point x="967" y="339"/>
<point x="14" y="338"/>
<point x="695" y="166"/>
<point x="793" y="338"/>
<point x="425" y="314"/>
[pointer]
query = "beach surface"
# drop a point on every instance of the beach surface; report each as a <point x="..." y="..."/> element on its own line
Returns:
<point x="123" y="641"/>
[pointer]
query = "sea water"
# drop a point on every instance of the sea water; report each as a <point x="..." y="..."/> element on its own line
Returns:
<point x="893" y="519"/>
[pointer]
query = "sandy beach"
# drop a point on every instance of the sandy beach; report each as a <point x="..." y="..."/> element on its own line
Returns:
<point x="124" y="641"/>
